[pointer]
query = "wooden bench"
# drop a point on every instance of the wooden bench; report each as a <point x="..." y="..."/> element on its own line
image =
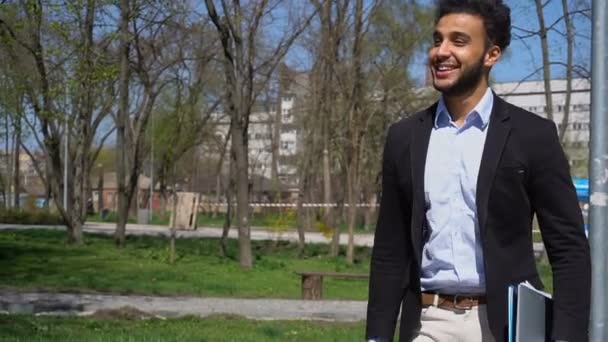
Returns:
<point x="312" y="282"/>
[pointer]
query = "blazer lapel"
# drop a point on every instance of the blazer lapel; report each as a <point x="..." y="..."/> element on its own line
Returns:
<point x="418" y="147"/>
<point x="498" y="132"/>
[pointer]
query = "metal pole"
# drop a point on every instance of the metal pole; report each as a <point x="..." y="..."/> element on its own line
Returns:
<point x="598" y="164"/>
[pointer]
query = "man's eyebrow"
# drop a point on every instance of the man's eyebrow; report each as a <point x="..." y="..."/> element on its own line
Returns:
<point x="458" y="34"/>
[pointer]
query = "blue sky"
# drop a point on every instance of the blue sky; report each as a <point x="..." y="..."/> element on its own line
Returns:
<point x="524" y="56"/>
<point x="522" y="59"/>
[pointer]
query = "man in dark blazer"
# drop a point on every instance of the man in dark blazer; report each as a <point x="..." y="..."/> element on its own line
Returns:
<point x="461" y="182"/>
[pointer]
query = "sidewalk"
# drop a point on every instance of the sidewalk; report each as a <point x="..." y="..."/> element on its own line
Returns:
<point x="263" y="308"/>
<point x="257" y="233"/>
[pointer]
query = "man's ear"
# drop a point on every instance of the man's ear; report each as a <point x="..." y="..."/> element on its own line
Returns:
<point x="492" y="56"/>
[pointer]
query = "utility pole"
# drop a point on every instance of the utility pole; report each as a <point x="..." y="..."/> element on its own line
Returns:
<point x="598" y="164"/>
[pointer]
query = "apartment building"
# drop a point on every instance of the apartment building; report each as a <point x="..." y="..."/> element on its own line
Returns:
<point x="530" y="95"/>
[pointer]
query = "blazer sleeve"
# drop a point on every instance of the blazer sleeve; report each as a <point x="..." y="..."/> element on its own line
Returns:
<point x="388" y="261"/>
<point x="554" y="199"/>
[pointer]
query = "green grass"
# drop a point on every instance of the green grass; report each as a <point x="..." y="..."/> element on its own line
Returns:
<point x="536" y="237"/>
<point x="546" y="276"/>
<point x="39" y="259"/>
<point x="219" y="328"/>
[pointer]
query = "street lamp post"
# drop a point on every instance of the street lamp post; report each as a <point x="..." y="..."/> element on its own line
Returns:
<point x="598" y="183"/>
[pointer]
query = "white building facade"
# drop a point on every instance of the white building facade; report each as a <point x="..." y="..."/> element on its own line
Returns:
<point x="530" y="95"/>
<point x="262" y="129"/>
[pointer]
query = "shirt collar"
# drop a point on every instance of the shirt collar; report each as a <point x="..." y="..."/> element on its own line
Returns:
<point x="482" y="110"/>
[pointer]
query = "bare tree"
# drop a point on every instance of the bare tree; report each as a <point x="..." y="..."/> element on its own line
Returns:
<point x="357" y="88"/>
<point x="546" y="62"/>
<point x="247" y="70"/>
<point x="356" y="132"/>
<point x="148" y="48"/>
<point x="333" y="27"/>
<point x="569" y="67"/>
<point x="57" y="64"/>
<point x="121" y="121"/>
<point x="182" y="117"/>
<point x="571" y="29"/>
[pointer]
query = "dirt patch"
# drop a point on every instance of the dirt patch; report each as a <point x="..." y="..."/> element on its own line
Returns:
<point x="124" y="313"/>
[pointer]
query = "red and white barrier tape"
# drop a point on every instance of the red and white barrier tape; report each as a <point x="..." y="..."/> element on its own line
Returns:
<point x="294" y="205"/>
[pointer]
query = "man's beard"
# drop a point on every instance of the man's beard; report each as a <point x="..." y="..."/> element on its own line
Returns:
<point x="466" y="82"/>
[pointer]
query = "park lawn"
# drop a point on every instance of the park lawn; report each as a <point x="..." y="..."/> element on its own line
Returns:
<point x="40" y="260"/>
<point x="218" y="328"/>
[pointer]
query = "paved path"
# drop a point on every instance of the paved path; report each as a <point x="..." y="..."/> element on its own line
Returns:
<point x="177" y="306"/>
<point x="86" y="304"/>
<point x="257" y="233"/>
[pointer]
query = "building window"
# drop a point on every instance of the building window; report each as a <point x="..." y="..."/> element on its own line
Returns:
<point x="581" y="108"/>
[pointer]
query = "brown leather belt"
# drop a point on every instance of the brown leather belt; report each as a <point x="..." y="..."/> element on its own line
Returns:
<point x="445" y="301"/>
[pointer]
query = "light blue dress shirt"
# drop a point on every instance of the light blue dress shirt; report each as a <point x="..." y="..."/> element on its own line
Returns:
<point x="452" y="257"/>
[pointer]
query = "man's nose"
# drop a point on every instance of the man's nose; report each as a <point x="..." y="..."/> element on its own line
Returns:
<point x="443" y="49"/>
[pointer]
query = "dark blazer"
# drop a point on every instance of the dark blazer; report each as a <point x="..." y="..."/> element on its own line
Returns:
<point x="523" y="171"/>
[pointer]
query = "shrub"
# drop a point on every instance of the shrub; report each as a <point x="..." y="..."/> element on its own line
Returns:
<point x="18" y="216"/>
<point x="110" y="217"/>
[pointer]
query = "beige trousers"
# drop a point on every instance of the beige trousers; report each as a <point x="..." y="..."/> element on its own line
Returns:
<point x="443" y="325"/>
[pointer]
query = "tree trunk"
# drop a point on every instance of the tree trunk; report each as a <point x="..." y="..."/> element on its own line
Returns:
<point x="9" y="162"/>
<point x="546" y="63"/>
<point x="330" y="216"/>
<point x="301" y="222"/>
<point x="218" y="190"/>
<point x="239" y="155"/>
<point x="274" y="148"/>
<point x="75" y="232"/>
<point x="569" y="61"/>
<point x="352" y="191"/>
<point x="226" y="227"/>
<point x="121" y="163"/>
<point x="329" y="57"/>
<point x="356" y="126"/>
<point x="218" y="175"/>
<point x="240" y="62"/>
<point x="77" y="198"/>
<point x="49" y="189"/>
<point x="304" y="180"/>
<point x="100" y="192"/>
<point x="16" y="164"/>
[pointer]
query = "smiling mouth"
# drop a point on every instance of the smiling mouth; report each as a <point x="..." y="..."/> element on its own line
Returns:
<point x="443" y="70"/>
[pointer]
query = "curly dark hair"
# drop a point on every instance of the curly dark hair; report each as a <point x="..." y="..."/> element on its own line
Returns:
<point x="495" y="14"/>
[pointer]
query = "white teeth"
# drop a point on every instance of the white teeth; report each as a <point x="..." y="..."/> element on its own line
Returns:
<point x="445" y="67"/>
